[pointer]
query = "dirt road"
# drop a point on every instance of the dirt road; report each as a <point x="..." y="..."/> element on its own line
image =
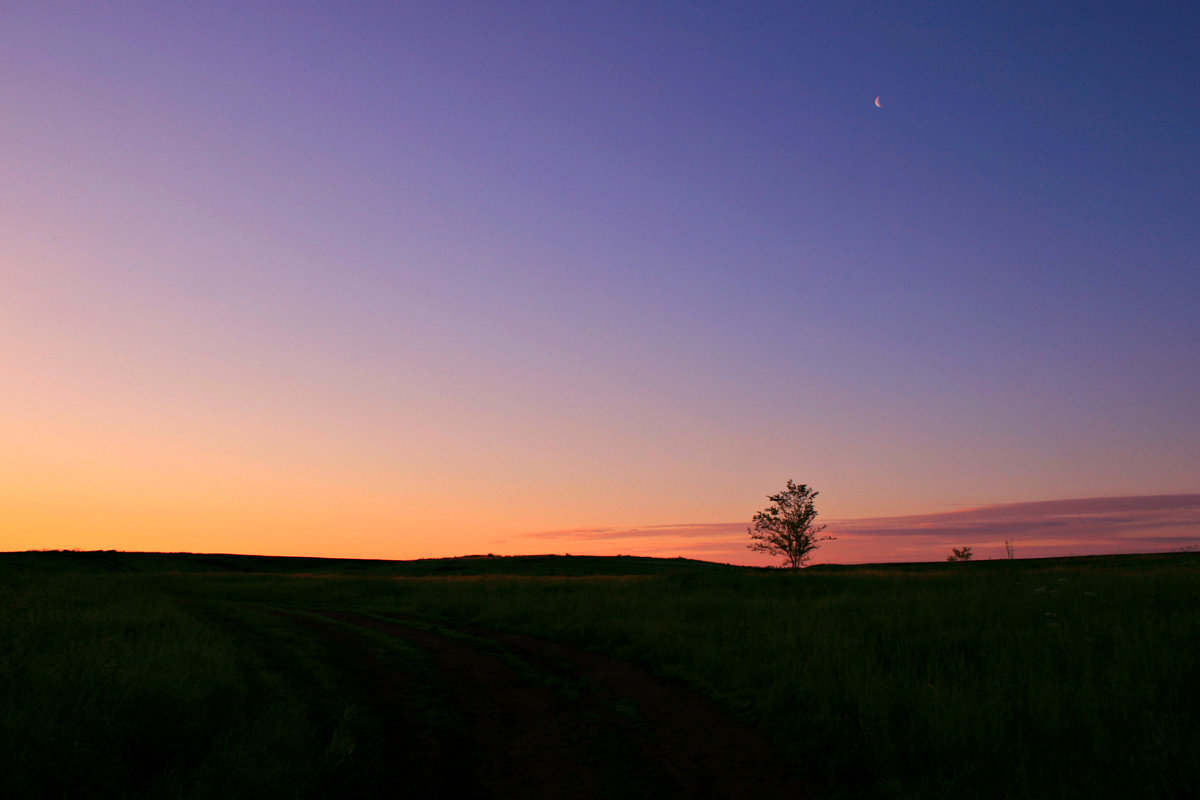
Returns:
<point x="511" y="716"/>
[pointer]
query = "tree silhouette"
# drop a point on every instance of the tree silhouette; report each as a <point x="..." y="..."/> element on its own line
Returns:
<point x="960" y="554"/>
<point x="786" y="526"/>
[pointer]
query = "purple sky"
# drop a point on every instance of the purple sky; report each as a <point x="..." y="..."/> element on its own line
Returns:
<point x="351" y="279"/>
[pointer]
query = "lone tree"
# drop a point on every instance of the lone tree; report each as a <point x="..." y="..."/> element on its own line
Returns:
<point x="786" y="526"/>
<point x="960" y="554"/>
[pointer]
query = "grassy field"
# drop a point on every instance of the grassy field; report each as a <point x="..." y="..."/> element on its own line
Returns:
<point x="174" y="675"/>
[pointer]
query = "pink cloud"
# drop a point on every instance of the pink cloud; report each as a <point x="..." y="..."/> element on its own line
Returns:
<point x="687" y="531"/>
<point x="1154" y="523"/>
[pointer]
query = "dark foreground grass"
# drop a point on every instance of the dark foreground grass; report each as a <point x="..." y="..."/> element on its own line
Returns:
<point x="167" y="676"/>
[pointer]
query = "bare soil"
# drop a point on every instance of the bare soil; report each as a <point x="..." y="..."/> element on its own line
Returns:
<point x="529" y="718"/>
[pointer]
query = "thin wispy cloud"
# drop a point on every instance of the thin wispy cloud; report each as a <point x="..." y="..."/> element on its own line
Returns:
<point x="1089" y="518"/>
<point x="1055" y="527"/>
<point x="687" y="531"/>
<point x="1151" y="523"/>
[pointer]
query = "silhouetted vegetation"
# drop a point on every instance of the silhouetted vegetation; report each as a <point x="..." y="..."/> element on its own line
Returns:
<point x="212" y="676"/>
<point x="960" y="554"/>
<point x="787" y="526"/>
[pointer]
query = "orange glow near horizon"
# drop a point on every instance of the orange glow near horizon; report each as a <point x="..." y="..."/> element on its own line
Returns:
<point x="272" y="283"/>
<point x="80" y="475"/>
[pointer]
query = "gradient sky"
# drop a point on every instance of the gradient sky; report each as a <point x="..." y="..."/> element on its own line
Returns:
<point x="424" y="279"/>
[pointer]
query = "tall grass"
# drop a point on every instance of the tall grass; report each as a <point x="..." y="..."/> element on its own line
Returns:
<point x="1023" y="681"/>
<point x="111" y="688"/>
<point x="105" y="685"/>
<point x="1004" y="679"/>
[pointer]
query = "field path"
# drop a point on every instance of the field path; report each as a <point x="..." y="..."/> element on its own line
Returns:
<point x="543" y="720"/>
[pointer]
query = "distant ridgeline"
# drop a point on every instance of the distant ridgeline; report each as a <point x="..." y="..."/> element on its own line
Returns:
<point x="115" y="561"/>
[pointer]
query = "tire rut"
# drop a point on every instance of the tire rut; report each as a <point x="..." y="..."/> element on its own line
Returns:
<point x="415" y="750"/>
<point x="519" y="739"/>
<point x="548" y="721"/>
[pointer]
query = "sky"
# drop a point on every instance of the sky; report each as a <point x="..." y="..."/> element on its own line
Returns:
<point x="427" y="279"/>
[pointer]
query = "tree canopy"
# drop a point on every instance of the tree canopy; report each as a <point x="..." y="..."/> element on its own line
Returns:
<point x="786" y="527"/>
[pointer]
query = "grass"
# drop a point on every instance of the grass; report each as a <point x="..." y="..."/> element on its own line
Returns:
<point x="174" y="675"/>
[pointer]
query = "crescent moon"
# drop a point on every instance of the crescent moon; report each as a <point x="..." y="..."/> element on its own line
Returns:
<point x="877" y="103"/>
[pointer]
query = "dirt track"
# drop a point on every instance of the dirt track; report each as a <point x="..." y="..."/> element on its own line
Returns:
<point x="529" y="718"/>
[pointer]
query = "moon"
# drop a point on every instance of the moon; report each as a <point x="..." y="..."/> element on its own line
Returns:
<point x="877" y="103"/>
